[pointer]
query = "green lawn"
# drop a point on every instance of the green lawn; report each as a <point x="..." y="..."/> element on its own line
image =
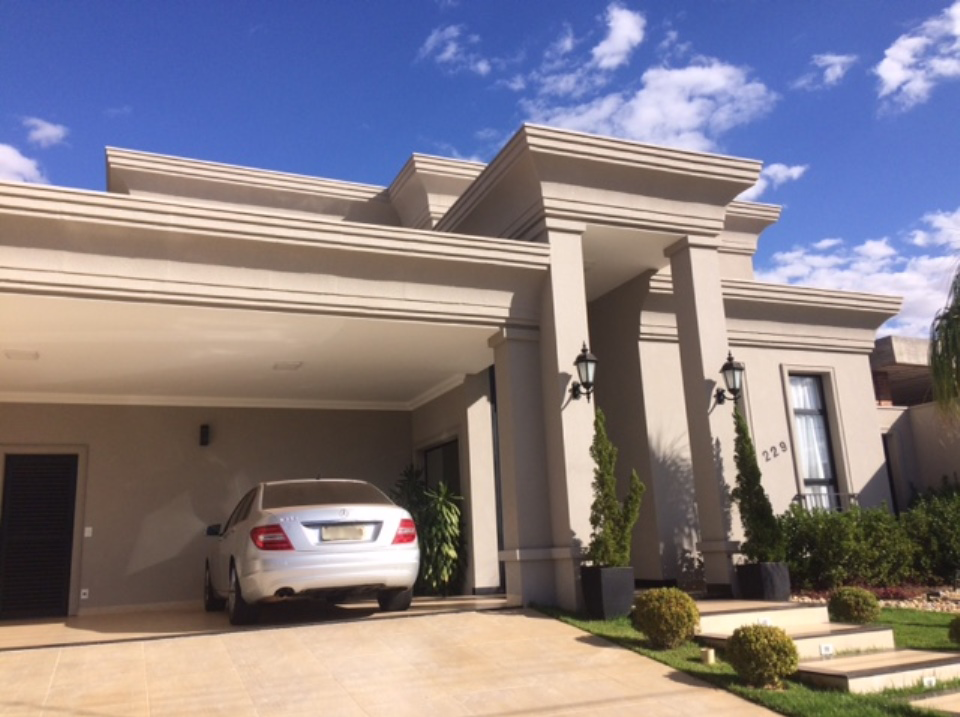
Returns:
<point x="912" y="628"/>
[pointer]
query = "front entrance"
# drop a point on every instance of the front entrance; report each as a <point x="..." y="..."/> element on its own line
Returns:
<point x="36" y="534"/>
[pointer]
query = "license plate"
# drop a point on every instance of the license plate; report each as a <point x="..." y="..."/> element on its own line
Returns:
<point x="341" y="532"/>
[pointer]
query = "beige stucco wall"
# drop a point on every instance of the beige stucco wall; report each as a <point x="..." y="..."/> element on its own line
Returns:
<point x="937" y="448"/>
<point x="151" y="488"/>
<point x="465" y="414"/>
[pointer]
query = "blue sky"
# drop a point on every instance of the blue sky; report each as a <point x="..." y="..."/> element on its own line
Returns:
<point x="854" y="107"/>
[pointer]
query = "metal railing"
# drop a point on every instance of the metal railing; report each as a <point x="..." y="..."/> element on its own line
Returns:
<point x="827" y="501"/>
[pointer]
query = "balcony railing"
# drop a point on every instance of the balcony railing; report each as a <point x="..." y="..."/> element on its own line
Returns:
<point x="827" y="501"/>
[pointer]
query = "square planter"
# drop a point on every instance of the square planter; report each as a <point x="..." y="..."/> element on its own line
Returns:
<point x="764" y="581"/>
<point x="607" y="592"/>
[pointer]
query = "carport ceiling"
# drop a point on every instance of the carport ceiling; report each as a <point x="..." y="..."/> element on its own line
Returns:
<point x="78" y="350"/>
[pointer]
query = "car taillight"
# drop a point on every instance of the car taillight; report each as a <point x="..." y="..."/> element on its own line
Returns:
<point x="406" y="533"/>
<point x="270" y="537"/>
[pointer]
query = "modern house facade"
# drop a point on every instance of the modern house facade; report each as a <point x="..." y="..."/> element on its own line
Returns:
<point x="198" y="328"/>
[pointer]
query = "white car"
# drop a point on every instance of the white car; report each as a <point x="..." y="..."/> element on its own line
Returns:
<point x="311" y="538"/>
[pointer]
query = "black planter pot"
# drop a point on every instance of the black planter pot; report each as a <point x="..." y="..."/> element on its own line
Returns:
<point x="607" y="592"/>
<point x="764" y="581"/>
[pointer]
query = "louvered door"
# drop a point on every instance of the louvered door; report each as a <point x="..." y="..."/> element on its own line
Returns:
<point x="36" y="535"/>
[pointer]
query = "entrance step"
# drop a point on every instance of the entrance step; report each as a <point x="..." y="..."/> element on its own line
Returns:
<point x="881" y="670"/>
<point x="820" y="640"/>
<point x="947" y="704"/>
<point x="722" y="617"/>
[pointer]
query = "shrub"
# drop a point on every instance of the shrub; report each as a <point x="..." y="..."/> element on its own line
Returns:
<point x="611" y="520"/>
<point x="854" y="605"/>
<point x="955" y="630"/>
<point x="762" y="531"/>
<point x="933" y="522"/>
<point x="667" y="616"/>
<point x="826" y="549"/>
<point x="762" y="655"/>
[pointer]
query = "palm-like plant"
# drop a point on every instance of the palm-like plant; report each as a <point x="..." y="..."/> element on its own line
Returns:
<point x="945" y="352"/>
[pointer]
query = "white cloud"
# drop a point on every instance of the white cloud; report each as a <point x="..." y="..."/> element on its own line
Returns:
<point x="43" y="133"/>
<point x="832" y="68"/>
<point x="624" y="32"/>
<point x="944" y="230"/>
<point x="450" y="48"/>
<point x="775" y="175"/>
<point x="689" y="107"/>
<point x="14" y="167"/>
<point x="920" y="60"/>
<point x="878" y="266"/>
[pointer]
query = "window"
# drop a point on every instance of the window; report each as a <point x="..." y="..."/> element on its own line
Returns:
<point x="813" y="448"/>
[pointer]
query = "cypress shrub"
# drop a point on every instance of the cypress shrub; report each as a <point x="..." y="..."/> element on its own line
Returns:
<point x="762" y="531"/>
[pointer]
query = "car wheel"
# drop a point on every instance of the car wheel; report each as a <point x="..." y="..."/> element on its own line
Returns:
<point x="395" y="600"/>
<point x="239" y="610"/>
<point x="211" y="601"/>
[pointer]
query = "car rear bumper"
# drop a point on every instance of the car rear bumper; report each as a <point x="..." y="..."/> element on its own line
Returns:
<point x="288" y="575"/>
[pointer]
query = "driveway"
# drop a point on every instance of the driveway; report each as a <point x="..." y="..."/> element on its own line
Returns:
<point x="504" y="662"/>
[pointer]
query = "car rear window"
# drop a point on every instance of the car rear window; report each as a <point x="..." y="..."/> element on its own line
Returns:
<point x="291" y="495"/>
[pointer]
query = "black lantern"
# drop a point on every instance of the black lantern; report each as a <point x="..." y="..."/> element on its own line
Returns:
<point x="733" y="377"/>
<point x="586" y="364"/>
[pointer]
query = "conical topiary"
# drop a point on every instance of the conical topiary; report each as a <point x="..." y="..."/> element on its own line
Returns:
<point x="764" y="536"/>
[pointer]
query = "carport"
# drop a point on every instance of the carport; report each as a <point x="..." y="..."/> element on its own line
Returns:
<point x="299" y="346"/>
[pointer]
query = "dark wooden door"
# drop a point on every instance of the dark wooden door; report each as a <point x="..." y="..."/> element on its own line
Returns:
<point x="36" y="535"/>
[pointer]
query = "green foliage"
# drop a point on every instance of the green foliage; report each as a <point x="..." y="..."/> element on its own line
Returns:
<point x="764" y="538"/>
<point x="667" y="616"/>
<point x="945" y="352"/>
<point x="954" y="630"/>
<point x="762" y="655"/>
<point x="826" y="549"/>
<point x="933" y="522"/>
<point x="611" y="521"/>
<point x="853" y="605"/>
<point x="439" y="531"/>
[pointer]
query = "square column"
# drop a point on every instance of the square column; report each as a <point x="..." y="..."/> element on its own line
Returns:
<point x="702" y="332"/>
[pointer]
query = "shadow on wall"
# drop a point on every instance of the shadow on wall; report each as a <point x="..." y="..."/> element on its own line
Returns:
<point x="677" y="506"/>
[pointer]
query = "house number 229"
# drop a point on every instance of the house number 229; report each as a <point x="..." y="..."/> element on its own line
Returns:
<point x="774" y="451"/>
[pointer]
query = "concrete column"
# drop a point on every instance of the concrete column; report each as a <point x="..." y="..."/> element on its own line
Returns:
<point x="702" y="331"/>
<point x="479" y="484"/>
<point x="568" y="424"/>
<point x="527" y="540"/>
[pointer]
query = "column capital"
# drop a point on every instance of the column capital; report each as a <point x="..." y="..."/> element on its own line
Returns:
<point x="712" y="241"/>
<point x="512" y="334"/>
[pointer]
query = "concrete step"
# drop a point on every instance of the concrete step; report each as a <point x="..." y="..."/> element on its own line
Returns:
<point x="820" y="640"/>
<point x="724" y="616"/>
<point x="882" y="670"/>
<point x="948" y="703"/>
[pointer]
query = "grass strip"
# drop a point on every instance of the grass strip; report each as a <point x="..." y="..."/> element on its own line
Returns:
<point x="912" y="629"/>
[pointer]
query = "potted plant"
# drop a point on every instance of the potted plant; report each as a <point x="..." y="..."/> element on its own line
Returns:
<point x="765" y="576"/>
<point x="607" y="581"/>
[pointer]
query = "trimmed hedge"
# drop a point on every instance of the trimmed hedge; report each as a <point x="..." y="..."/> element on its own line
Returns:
<point x="853" y="605"/>
<point x="933" y="524"/>
<point x="762" y="655"/>
<point x="826" y="549"/>
<point x="667" y="616"/>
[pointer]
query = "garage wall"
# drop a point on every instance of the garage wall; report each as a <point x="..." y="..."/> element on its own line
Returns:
<point x="151" y="488"/>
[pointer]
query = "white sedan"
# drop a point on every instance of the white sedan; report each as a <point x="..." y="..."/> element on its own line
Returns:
<point x="311" y="538"/>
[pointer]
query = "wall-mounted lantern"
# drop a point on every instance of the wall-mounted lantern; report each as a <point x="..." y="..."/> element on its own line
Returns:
<point x="733" y="377"/>
<point x="586" y="364"/>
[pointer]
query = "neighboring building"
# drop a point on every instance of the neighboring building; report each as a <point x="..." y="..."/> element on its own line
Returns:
<point x="922" y="445"/>
<point x="323" y="328"/>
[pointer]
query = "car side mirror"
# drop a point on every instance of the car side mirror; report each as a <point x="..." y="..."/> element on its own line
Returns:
<point x="214" y="530"/>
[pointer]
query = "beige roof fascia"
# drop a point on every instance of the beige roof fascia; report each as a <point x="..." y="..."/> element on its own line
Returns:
<point x="588" y="177"/>
<point x="143" y="173"/>
<point x="71" y="210"/>
<point x="427" y="186"/>
<point x="744" y="223"/>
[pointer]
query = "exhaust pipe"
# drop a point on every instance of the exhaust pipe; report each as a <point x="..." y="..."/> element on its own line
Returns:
<point x="284" y="593"/>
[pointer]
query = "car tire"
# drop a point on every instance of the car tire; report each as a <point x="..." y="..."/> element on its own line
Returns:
<point x="239" y="611"/>
<point x="395" y="600"/>
<point x="211" y="601"/>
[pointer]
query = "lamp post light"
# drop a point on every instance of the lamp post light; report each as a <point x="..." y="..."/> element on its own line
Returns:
<point x="733" y="378"/>
<point x="586" y="364"/>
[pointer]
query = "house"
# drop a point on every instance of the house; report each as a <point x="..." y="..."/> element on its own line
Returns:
<point x="921" y="443"/>
<point x="198" y="328"/>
